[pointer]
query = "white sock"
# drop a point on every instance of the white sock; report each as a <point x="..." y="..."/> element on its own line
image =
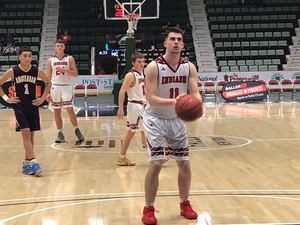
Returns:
<point x="60" y="130"/>
<point x="148" y="203"/>
<point x="75" y="127"/>
<point x="32" y="161"/>
<point x="183" y="199"/>
<point x="122" y="156"/>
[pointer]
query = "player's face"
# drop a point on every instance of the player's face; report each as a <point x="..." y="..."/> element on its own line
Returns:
<point x="139" y="64"/>
<point x="25" y="58"/>
<point x="174" y="43"/>
<point x="59" y="47"/>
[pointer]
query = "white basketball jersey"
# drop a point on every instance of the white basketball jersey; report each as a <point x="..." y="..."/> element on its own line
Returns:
<point x="137" y="91"/>
<point x="170" y="83"/>
<point x="57" y="77"/>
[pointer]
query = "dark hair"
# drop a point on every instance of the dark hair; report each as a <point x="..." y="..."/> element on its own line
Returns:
<point x="24" y="49"/>
<point x="136" y="55"/>
<point x="174" y="30"/>
<point x="59" y="41"/>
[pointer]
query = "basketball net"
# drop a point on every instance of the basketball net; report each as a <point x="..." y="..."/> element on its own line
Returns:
<point x="132" y="20"/>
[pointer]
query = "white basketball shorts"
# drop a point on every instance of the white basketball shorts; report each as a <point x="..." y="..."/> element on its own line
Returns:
<point x="61" y="96"/>
<point x="170" y="132"/>
<point x="135" y="117"/>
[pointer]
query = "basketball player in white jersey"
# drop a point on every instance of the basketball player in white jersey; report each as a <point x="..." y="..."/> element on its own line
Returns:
<point x="134" y="85"/>
<point x="167" y="79"/>
<point x="59" y="69"/>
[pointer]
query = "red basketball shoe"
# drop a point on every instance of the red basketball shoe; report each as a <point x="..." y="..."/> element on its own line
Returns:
<point x="148" y="215"/>
<point x="187" y="211"/>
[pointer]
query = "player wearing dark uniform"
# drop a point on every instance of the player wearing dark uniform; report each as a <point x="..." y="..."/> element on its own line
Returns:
<point x="24" y="86"/>
<point x="25" y="103"/>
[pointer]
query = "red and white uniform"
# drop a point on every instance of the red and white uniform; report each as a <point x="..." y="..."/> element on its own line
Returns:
<point x="170" y="84"/>
<point x="136" y="102"/>
<point x="61" y="90"/>
<point x="161" y="123"/>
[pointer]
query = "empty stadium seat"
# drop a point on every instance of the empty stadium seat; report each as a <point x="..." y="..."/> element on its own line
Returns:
<point x="274" y="90"/>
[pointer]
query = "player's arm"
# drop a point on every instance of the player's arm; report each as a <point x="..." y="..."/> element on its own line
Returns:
<point x="193" y="82"/>
<point x="8" y="74"/>
<point x="151" y="87"/>
<point x="49" y="75"/>
<point x="72" y="71"/>
<point x="127" y="83"/>
<point x="47" y="82"/>
<point x="49" y="69"/>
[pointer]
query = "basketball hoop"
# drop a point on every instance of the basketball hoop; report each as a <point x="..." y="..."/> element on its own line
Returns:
<point x="132" y="19"/>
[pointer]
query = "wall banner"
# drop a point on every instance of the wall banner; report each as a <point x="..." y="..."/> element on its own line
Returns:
<point x="105" y="83"/>
<point x="248" y="76"/>
<point x="244" y="91"/>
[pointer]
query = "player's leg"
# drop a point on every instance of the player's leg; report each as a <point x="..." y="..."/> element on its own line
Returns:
<point x="72" y="116"/>
<point x="34" y="125"/>
<point x="27" y="143"/>
<point x="74" y="122"/>
<point x="143" y="139"/>
<point x="184" y="178"/>
<point x="58" y="119"/>
<point x="28" y="147"/>
<point x="122" y="160"/>
<point x="55" y="93"/>
<point x="155" y="145"/>
<point x="178" y="148"/>
<point x="134" y="123"/>
<point x="184" y="183"/>
<point x="67" y="98"/>
<point x="59" y="125"/>
<point x="30" y="165"/>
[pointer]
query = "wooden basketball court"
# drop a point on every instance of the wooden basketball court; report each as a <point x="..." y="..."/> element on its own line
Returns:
<point x="245" y="163"/>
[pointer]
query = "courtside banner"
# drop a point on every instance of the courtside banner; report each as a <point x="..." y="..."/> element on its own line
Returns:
<point x="244" y="91"/>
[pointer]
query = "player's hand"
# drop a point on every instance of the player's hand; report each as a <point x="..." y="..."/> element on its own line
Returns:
<point x="48" y="98"/>
<point x="120" y="114"/>
<point x="179" y="97"/>
<point x="61" y="69"/>
<point x="38" y="101"/>
<point x="13" y="100"/>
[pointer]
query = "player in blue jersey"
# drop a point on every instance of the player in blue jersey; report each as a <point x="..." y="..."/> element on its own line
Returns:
<point x="25" y="104"/>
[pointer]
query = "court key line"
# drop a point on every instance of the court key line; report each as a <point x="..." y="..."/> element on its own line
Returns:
<point x="248" y="141"/>
<point x="113" y="199"/>
<point x="55" y="145"/>
<point x="204" y="192"/>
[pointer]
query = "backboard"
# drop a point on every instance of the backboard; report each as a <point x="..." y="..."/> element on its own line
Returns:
<point x="116" y="9"/>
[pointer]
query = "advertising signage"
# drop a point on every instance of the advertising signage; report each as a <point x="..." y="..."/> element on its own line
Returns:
<point x="244" y="91"/>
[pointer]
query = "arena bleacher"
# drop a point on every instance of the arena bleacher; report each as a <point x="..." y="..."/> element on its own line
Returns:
<point x="252" y="35"/>
<point x="23" y="21"/>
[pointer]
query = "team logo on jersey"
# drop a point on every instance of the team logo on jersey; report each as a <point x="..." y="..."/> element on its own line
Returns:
<point x="163" y="69"/>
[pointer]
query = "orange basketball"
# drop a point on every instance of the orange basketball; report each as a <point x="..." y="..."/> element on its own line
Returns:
<point x="188" y="108"/>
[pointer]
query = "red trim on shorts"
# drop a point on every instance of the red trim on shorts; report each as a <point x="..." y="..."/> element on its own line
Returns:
<point x="67" y="102"/>
<point x="178" y="152"/>
<point x="155" y="151"/>
<point x="134" y="126"/>
<point x="55" y="104"/>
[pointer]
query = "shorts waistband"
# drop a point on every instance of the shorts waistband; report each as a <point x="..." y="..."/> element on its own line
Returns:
<point x="137" y="102"/>
<point x="61" y="84"/>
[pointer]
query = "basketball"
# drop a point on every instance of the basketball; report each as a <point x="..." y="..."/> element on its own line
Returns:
<point x="188" y="108"/>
